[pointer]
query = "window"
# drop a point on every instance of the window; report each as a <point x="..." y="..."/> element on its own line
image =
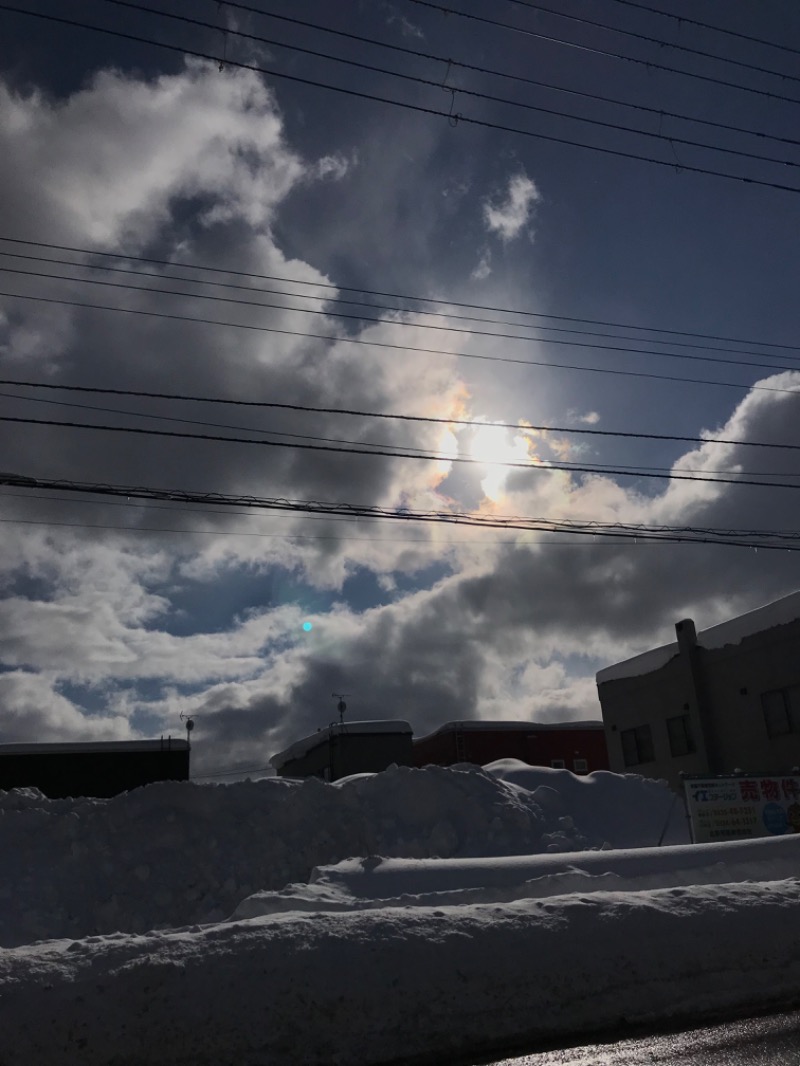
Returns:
<point x="637" y="745"/>
<point x="580" y="766"/>
<point x="558" y="764"/>
<point x="679" y="731"/>
<point x="781" y="711"/>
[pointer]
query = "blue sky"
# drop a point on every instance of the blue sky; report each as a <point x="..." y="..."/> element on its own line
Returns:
<point x="120" y="616"/>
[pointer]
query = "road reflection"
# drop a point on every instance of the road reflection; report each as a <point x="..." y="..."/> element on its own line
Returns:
<point x="773" y="1040"/>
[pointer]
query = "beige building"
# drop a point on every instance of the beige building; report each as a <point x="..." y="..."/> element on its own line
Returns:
<point x="725" y="699"/>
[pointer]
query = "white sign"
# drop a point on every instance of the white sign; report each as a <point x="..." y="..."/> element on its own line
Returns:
<point x="742" y="806"/>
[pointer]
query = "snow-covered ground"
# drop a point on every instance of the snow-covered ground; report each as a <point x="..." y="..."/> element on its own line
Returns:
<point x="409" y="914"/>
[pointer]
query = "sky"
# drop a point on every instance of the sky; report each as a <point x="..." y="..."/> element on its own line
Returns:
<point x="277" y="206"/>
<point x="486" y="910"/>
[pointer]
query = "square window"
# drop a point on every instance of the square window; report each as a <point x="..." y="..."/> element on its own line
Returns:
<point x="557" y="764"/>
<point x="580" y="766"/>
<point x="679" y="731"/>
<point x="637" y="745"/>
<point x="776" y="713"/>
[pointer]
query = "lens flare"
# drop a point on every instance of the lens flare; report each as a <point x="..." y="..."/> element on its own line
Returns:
<point x="307" y="627"/>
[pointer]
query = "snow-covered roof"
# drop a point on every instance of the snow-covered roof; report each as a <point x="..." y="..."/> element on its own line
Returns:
<point x="489" y="726"/>
<point x="165" y="744"/>
<point x="639" y="664"/>
<point x="732" y="631"/>
<point x="778" y="613"/>
<point x="307" y="744"/>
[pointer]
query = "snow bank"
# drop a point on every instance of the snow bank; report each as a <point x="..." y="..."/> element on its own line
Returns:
<point x="308" y="924"/>
<point x="179" y="853"/>
<point x="372" y="883"/>
<point x="372" y="987"/>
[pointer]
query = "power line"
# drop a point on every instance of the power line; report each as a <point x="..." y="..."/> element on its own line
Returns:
<point x="239" y="301"/>
<point x="421" y="452"/>
<point x="603" y="52"/>
<point x="651" y="40"/>
<point x="450" y="316"/>
<point x="463" y="65"/>
<point x="273" y="517"/>
<point x="548" y="467"/>
<point x="358" y="413"/>
<point x="707" y="26"/>
<point x="775" y="539"/>
<point x="418" y="108"/>
<point x="397" y="347"/>
<point x="465" y="92"/>
<point x="397" y="296"/>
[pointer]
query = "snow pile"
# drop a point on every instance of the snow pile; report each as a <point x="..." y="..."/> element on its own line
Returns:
<point x="374" y="883"/>
<point x="180" y="853"/>
<point x="375" y="987"/>
<point x="308" y="924"/>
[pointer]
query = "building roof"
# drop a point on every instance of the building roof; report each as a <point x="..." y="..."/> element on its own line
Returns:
<point x="307" y="744"/>
<point x="513" y="726"/>
<point x="732" y="631"/>
<point x="99" y="746"/>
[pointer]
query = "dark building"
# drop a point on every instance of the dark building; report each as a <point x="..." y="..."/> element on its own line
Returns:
<point x="712" y="702"/>
<point x="95" y="769"/>
<point x="576" y="746"/>
<point x="343" y="749"/>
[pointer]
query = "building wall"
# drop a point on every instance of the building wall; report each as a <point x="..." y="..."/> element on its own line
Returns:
<point x="721" y="693"/>
<point x="535" y="747"/>
<point x="650" y="700"/>
<point x="95" y="773"/>
<point x="341" y="754"/>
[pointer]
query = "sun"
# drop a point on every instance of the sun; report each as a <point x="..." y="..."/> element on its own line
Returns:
<point x="497" y="444"/>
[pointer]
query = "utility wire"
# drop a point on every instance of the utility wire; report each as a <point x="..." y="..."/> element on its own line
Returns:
<point x="475" y="94"/>
<point x="651" y="40"/>
<point x="450" y="316"/>
<point x="421" y="452"/>
<point x="603" y="52"/>
<point x="397" y="296"/>
<point x="707" y="26"/>
<point x="660" y="113"/>
<point x="357" y="413"/>
<point x="437" y="544"/>
<point x="418" y="108"/>
<point x="398" y="454"/>
<point x="786" y="541"/>
<point x="341" y="339"/>
<point x="239" y="301"/>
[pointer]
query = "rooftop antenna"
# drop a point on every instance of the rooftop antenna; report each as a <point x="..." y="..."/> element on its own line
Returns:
<point x="189" y="719"/>
<point x="341" y="706"/>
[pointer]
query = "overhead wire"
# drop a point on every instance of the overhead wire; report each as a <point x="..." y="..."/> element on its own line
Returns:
<point x="394" y="416"/>
<point x="273" y="517"/>
<point x="206" y="268"/>
<point x="399" y="323"/>
<point x="564" y="464"/>
<point x="397" y="453"/>
<point x="476" y="94"/>
<point x="462" y="64"/>
<point x="450" y="316"/>
<point x="660" y="43"/>
<point x="343" y="339"/>
<point x="775" y="539"/>
<point x="456" y="119"/>
<point x="709" y="26"/>
<point x="485" y="20"/>
<point x="430" y="83"/>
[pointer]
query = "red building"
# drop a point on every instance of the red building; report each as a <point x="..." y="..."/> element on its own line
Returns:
<point x="577" y="746"/>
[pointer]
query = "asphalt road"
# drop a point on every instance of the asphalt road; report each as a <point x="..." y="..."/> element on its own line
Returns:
<point x="773" y="1040"/>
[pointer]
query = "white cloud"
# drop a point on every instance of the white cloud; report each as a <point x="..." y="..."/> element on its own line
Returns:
<point x="508" y="217"/>
<point x="484" y="267"/>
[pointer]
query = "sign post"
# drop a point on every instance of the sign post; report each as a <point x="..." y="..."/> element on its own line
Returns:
<point x="742" y="806"/>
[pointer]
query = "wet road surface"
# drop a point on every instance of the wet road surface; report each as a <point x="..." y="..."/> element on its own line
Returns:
<point x="772" y="1040"/>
